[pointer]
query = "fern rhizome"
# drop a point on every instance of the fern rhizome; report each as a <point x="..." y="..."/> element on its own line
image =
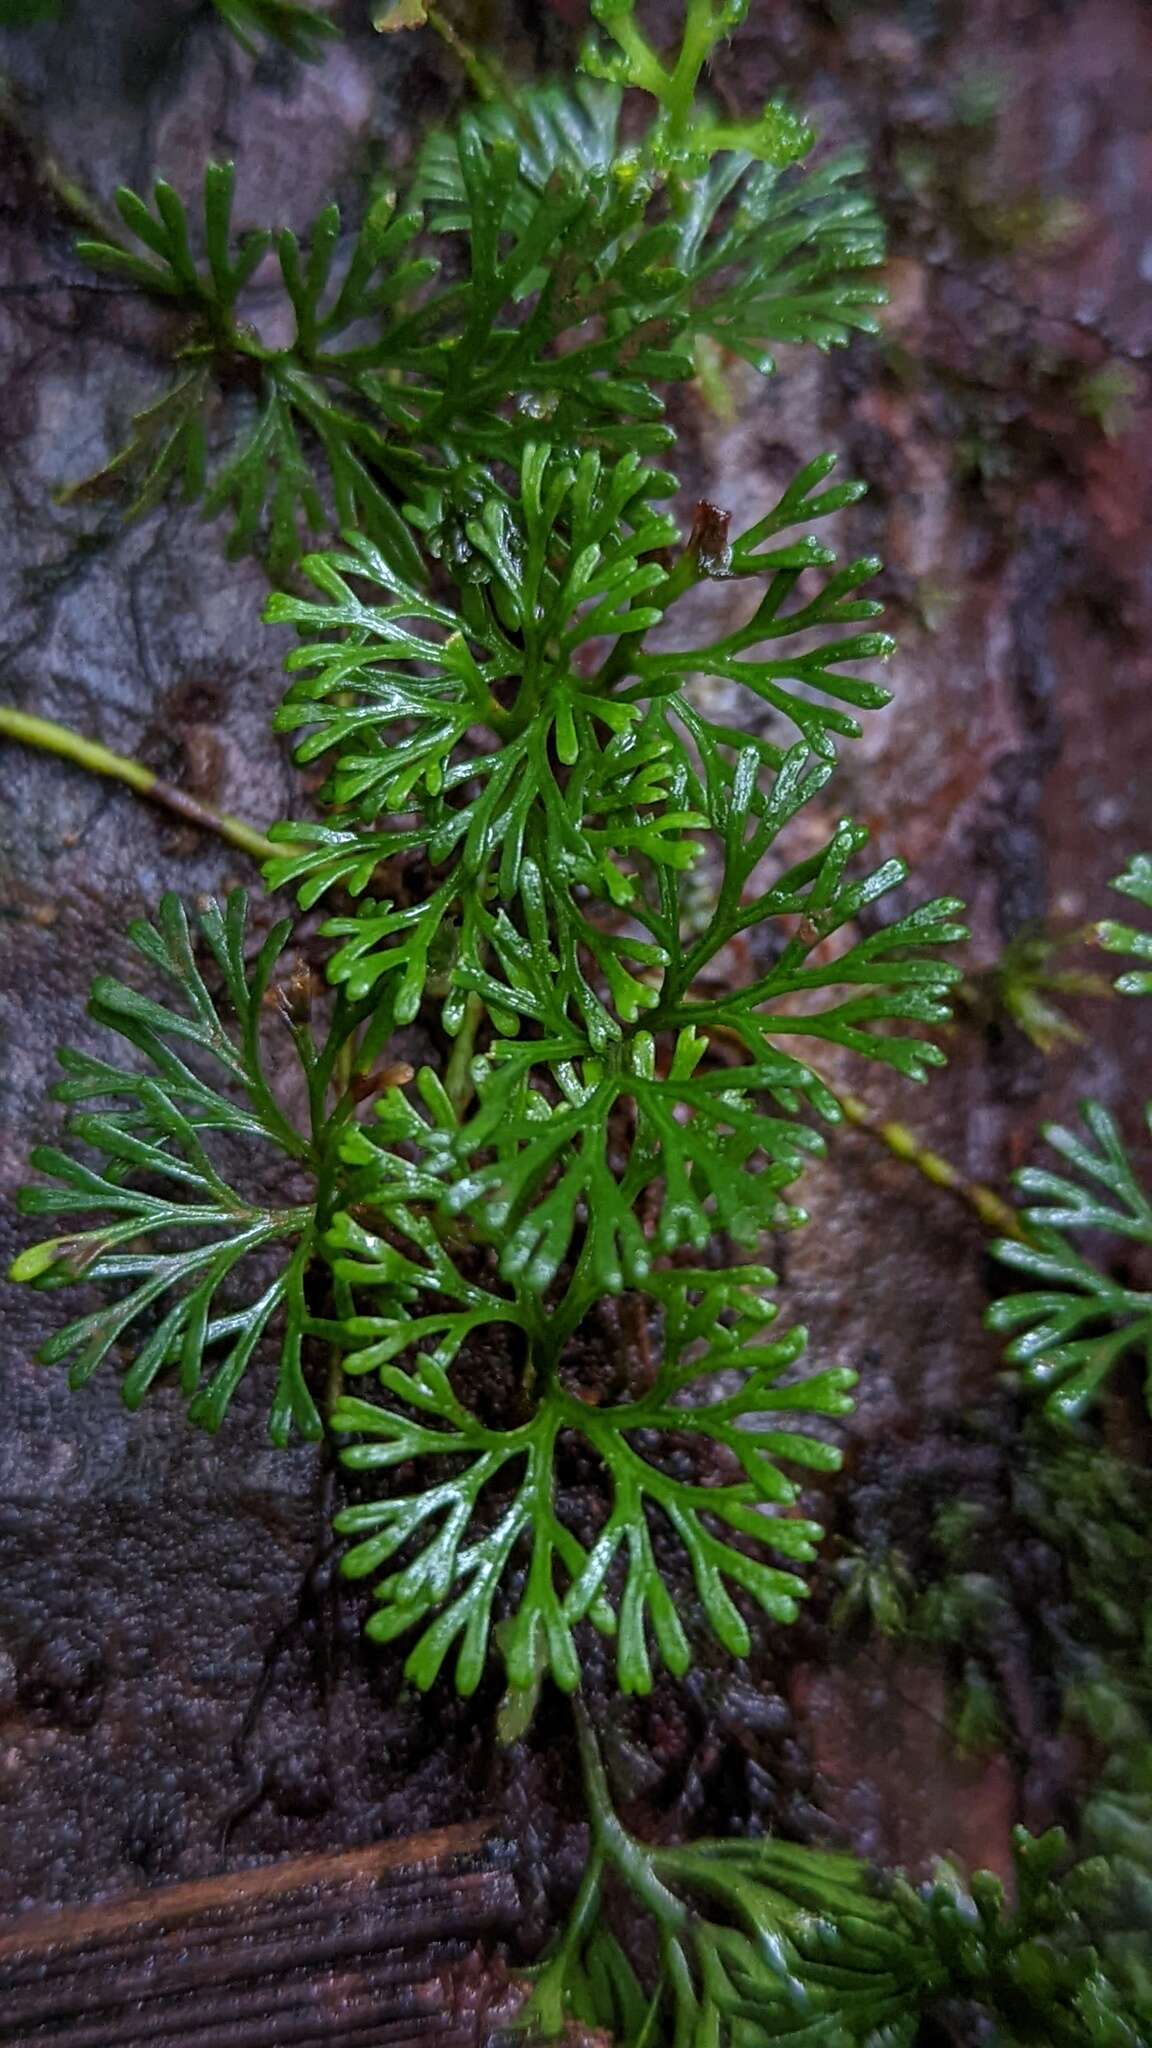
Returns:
<point x="541" y="850"/>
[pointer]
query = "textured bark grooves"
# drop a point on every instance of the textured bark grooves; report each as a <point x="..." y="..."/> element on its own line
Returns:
<point x="365" y="1945"/>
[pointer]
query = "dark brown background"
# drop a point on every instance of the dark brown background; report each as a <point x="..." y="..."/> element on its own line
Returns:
<point x="179" y="1689"/>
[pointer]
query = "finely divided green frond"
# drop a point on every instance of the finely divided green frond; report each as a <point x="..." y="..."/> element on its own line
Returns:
<point x="763" y="1940"/>
<point x="197" y="1270"/>
<point x="555" y="809"/>
<point x="1076" y="1328"/>
<point x="461" y="1536"/>
<point x="718" y="246"/>
<point x="397" y="704"/>
<point x="312" y="420"/>
<point x="596" y="269"/>
<point x="814" y="900"/>
<point x="479" y="735"/>
<point x="1136" y="881"/>
<point x="551" y="816"/>
<point x="550" y="1176"/>
<point x="760" y="656"/>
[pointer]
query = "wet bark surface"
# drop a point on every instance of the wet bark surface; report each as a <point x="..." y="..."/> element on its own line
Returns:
<point x="183" y="1688"/>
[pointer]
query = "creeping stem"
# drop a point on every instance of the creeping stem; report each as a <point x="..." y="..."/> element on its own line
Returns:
<point x="993" y="1211"/>
<point x="612" y="1841"/>
<point x="52" y="738"/>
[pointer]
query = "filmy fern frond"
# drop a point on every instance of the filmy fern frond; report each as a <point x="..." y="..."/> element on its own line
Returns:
<point x="538" y="821"/>
<point x="506" y="1496"/>
<point x="198" y="1271"/>
<point x="749" y="255"/>
<point x="555" y="808"/>
<point x="588" y="778"/>
<point x="707" y="1146"/>
<point x="1075" y="1329"/>
<point x="1136" y="881"/>
<point x="396" y="702"/>
<point x="311" y="439"/>
<point x="594" y="269"/>
<point x="566" y="1145"/>
<point x="764" y="1940"/>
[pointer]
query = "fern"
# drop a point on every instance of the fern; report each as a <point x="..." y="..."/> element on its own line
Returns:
<point x="519" y="783"/>
<point x="311" y="445"/>
<point x="518" y="786"/>
<point x="711" y="1323"/>
<point x="594" y="270"/>
<point x="557" y="853"/>
<point x="1076" y="1329"/>
<point x="751" y="253"/>
<point x="763" y="1941"/>
<point x="611" y="767"/>
<point x="565" y="839"/>
<point x="199" y="1271"/>
<point x="1136" y="881"/>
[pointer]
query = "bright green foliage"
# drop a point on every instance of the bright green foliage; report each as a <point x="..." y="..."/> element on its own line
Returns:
<point x="557" y="822"/>
<point x="684" y="129"/>
<point x="561" y="827"/>
<point x="560" y="847"/>
<point x="1136" y="881"/>
<point x="593" y="271"/>
<point x="709" y="1155"/>
<point x="710" y="1323"/>
<point x="536" y="1174"/>
<point x="763" y="1941"/>
<point x="746" y="255"/>
<point x="312" y="426"/>
<point x="195" y="1267"/>
<point x="1075" y="1329"/>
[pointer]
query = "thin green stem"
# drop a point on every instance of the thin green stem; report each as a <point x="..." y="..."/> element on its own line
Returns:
<point x="647" y="71"/>
<point x="51" y="738"/>
<point x="334" y="1381"/>
<point x="628" y="1857"/>
<point x="699" y="36"/>
<point x="993" y="1211"/>
<point x="488" y="82"/>
<point x="549" y="2007"/>
<point x="579" y="1297"/>
<point x="458" y="1083"/>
